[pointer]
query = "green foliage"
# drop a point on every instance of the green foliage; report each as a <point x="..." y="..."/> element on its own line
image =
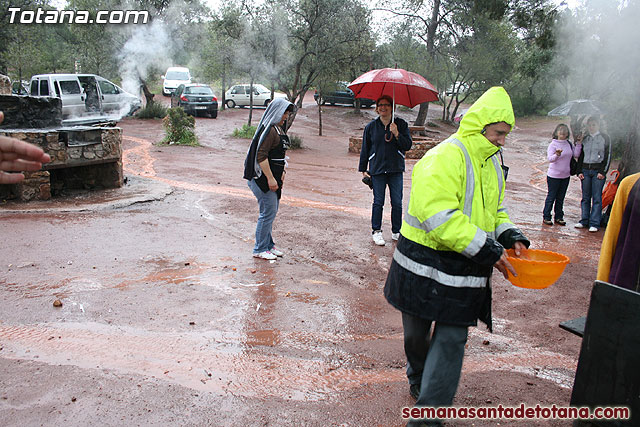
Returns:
<point x="296" y="141"/>
<point x="179" y="127"/>
<point x="155" y="110"/>
<point x="245" y="132"/>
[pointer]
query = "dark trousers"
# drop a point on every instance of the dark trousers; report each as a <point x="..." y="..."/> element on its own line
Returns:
<point x="380" y="183"/>
<point x="557" y="189"/>
<point x="433" y="360"/>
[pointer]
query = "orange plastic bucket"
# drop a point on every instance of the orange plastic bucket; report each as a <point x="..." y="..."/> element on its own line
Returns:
<point x="538" y="270"/>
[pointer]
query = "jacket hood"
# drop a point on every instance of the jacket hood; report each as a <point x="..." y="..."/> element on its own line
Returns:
<point x="493" y="106"/>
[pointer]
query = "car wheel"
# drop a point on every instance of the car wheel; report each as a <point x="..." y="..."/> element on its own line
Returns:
<point x="213" y="114"/>
<point x="266" y="102"/>
<point x="230" y="103"/>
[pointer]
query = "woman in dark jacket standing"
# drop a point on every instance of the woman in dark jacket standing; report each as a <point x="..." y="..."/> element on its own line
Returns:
<point x="384" y="143"/>
<point x="264" y="168"/>
<point x="593" y="163"/>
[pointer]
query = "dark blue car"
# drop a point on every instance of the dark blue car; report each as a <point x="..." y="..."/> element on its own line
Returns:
<point x="195" y="98"/>
<point x="342" y="95"/>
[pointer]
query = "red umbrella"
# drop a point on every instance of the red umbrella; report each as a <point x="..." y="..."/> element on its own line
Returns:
<point x="406" y="88"/>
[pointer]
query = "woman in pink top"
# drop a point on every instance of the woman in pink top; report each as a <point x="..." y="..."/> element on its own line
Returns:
<point x="559" y="155"/>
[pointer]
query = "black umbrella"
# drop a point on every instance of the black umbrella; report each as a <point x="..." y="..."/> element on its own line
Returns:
<point x="577" y="107"/>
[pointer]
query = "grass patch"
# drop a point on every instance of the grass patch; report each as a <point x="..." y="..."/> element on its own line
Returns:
<point x="180" y="128"/>
<point x="296" y="141"/>
<point x="245" y="132"/>
<point x="155" y="110"/>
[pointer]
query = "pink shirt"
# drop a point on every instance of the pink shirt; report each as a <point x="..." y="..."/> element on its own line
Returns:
<point x="559" y="165"/>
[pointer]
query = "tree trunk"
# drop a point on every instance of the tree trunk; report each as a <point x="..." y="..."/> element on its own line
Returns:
<point x="422" y="114"/>
<point x="300" y="98"/>
<point x="319" y="118"/>
<point x="148" y="96"/>
<point x="250" y="102"/>
<point x="224" y="86"/>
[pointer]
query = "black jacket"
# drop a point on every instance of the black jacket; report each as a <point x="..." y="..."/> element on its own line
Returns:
<point x="380" y="155"/>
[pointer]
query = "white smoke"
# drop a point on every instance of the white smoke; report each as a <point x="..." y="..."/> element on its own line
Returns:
<point x="147" y="48"/>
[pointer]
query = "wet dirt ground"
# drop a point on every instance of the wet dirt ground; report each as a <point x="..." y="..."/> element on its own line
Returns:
<point x="167" y="319"/>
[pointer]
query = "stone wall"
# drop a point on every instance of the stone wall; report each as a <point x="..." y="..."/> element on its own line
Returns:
<point x="81" y="158"/>
<point x="420" y="146"/>
<point x="28" y="112"/>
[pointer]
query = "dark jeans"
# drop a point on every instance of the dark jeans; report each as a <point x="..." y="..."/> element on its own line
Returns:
<point x="557" y="189"/>
<point x="591" y="190"/>
<point x="433" y="360"/>
<point x="380" y="183"/>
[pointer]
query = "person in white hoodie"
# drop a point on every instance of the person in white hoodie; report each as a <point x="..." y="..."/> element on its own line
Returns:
<point x="559" y="155"/>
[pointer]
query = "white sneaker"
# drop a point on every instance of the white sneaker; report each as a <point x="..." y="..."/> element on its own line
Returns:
<point x="395" y="236"/>
<point x="578" y="225"/>
<point x="377" y="238"/>
<point x="593" y="229"/>
<point x="276" y="252"/>
<point x="265" y="255"/>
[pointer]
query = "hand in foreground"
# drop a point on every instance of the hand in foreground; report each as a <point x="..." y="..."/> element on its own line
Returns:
<point x="17" y="155"/>
<point x="581" y="176"/>
<point x="600" y="176"/>
<point x="503" y="265"/>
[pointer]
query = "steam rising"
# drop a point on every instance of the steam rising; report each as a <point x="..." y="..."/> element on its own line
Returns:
<point x="147" y="48"/>
<point x="598" y="43"/>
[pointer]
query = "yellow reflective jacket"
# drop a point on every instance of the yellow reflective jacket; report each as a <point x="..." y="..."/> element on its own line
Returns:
<point x="455" y="228"/>
<point x="458" y="186"/>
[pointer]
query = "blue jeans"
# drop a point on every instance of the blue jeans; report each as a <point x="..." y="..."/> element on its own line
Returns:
<point x="380" y="183"/>
<point x="591" y="190"/>
<point x="268" y="203"/>
<point x="557" y="189"/>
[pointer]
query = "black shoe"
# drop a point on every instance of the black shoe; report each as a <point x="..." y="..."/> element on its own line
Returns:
<point x="547" y="222"/>
<point x="414" y="390"/>
<point x="561" y="222"/>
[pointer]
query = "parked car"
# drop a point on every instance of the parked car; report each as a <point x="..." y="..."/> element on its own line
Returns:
<point x="174" y="77"/>
<point x="342" y="95"/>
<point x="85" y="93"/>
<point x="240" y="95"/>
<point x="195" y="98"/>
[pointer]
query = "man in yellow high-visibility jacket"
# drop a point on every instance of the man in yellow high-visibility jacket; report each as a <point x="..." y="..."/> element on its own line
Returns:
<point x="453" y="234"/>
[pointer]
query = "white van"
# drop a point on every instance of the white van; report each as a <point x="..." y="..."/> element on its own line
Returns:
<point x="85" y="93"/>
<point x="174" y="77"/>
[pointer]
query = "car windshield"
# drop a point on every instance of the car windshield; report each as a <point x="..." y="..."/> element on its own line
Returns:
<point x="261" y="89"/>
<point x="198" y="90"/>
<point x="177" y="75"/>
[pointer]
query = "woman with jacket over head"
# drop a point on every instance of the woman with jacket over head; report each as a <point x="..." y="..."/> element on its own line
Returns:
<point x="593" y="163"/>
<point x="384" y="143"/>
<point x="559" y="154"/>
<point x="264" y="168"/>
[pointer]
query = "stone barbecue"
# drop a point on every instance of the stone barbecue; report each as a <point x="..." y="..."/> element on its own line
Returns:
<point x="82" y="157"/>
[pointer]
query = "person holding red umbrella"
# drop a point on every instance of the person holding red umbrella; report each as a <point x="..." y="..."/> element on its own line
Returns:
<point x="384" y="142"/>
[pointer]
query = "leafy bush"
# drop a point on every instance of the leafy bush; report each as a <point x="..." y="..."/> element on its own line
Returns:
<point x="155" y="110"/>
<point x="296" y="141"/>
<point x="179" y="127"/>
<point x="245" y="132"/>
